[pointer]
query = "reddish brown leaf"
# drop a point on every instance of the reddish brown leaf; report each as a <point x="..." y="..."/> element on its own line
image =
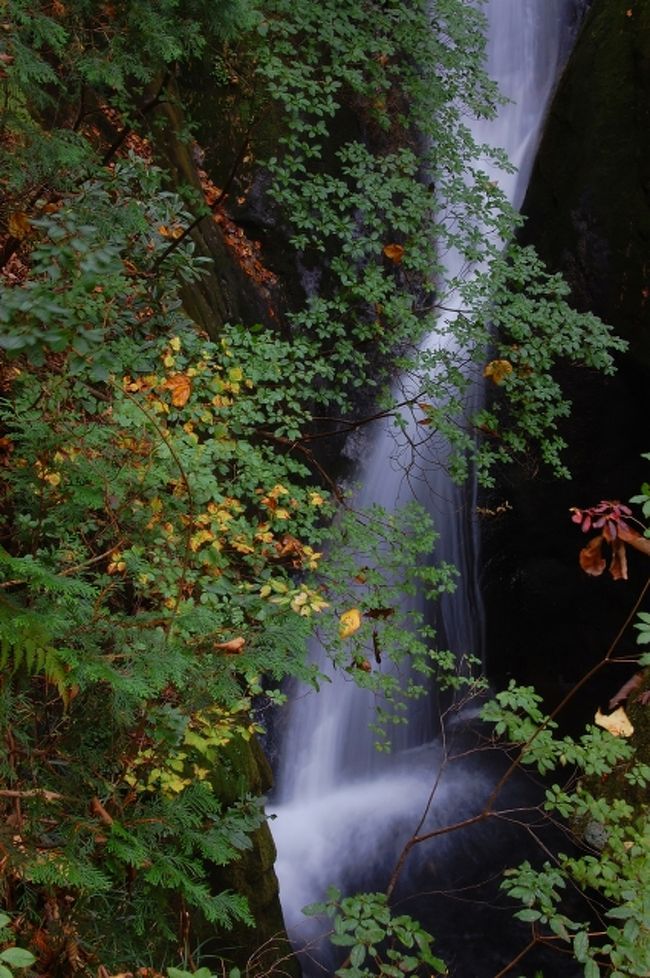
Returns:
<point x="18" y="225"/>
<point x="288" y="546"/>
<point x="395" y="252"/>
<point x="591" y="557"/>
<point x="98" y="809"/>
<point x="618" y="563"/>
<point x="634" y="539"/>
<point x="234" y="646"/>
<point x="362" y="664"/>
<point x="181" y="387"/>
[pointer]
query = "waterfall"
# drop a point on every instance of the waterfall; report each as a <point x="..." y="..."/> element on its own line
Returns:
<point x="338" y="803"/>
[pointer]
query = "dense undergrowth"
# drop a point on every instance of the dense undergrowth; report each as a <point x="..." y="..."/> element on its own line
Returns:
<point x="162" y="516"/>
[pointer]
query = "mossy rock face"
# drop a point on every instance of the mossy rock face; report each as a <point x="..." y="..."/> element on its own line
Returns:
<point x="243" y="769"/>
<point x="588" y="205"/>
<point x="588" y="213"/>
<point x="224" y="293"/>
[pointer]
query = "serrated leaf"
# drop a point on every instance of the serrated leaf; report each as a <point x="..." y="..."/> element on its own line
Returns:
<point x="558" y="927"/>
<point x="313" y="909"/>
<point x="357" y="955"/>
<point x="620" y="913"/>
<point x="528" y="915"/>
<point x="580" y="946"/>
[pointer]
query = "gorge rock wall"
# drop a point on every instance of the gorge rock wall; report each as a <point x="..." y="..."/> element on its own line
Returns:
<point x="588" y="214"/>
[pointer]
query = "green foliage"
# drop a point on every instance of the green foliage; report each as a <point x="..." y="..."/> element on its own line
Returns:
<point x="415" y="182"/>
<point x="612" y="834"/>
<point x="162" y="540"/>
<point x="83" y="266"/>
<point x="380" y="565"/>
<point x="536" y="329"/>
<point x="12" y="957"/>
<point x="142" y="533"/>
<point x="377" y="941"/>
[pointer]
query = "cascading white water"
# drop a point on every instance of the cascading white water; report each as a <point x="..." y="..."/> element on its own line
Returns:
<point x="338" y="803"/>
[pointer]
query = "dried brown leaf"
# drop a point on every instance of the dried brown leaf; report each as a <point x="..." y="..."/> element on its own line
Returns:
<point x="591" y="557"/>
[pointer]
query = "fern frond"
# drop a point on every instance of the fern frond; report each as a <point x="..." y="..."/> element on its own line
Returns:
<point x="25" y="645"/>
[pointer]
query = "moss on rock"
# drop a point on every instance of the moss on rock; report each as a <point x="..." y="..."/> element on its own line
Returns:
<point x="243" y="769"/>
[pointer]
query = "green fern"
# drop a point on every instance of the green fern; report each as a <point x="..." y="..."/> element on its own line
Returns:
<point x="26" y="647"/>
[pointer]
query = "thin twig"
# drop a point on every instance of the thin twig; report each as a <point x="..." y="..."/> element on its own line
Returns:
<point x="31" y="793"/>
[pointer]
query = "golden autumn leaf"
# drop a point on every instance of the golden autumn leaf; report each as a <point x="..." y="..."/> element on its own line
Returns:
<point x="497" y="370"/>
<point x="233" y="646"/>
<point x="350" y="622"/>
<point x="18" y="225"/>
<point x="617" y="723"/>
<point x="174" y="233"/>
<point x="395" y="252"/>
<point x="180" y="386"/>
<point x="199" y="538"/>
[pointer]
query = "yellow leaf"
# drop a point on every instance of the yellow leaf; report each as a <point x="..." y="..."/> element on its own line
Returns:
<point x="315" y="499"/>
<point x="241" y="546"/>
<point x="181" y="387"/>
<point x="617" y="722"/>
<point x="350" y="622"/>
<point x="197" y="539"/>
<point x="175" y="344"/>
<point x="277" y="491"/>
<point x="497" y="370"/>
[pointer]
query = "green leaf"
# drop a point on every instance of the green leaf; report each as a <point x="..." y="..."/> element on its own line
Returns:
<point x="17" y="957"/>
<point x="528" y="915"/>
<point x="591" y="969"/>
<point x="558" y="927"/>
<point x="581" y="946"/>
<point x="357" y="955"/>
<point x="620" y="913"/>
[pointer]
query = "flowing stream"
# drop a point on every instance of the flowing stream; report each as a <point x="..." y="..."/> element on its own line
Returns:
<point x="342" y="812"/>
